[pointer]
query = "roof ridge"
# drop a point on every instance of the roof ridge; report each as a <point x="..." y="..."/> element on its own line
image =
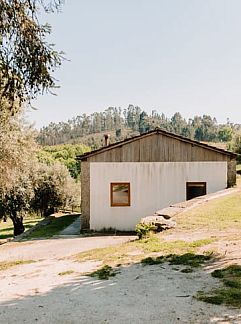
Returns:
<point x="157" y="130"/>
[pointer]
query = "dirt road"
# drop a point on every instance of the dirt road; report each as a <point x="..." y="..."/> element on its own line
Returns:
<point x="39" y="292"/>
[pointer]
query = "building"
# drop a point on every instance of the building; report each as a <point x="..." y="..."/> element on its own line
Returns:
<point x="128" y="180"/>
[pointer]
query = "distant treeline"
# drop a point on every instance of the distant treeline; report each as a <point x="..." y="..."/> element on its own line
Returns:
<point x="122" y="123"/>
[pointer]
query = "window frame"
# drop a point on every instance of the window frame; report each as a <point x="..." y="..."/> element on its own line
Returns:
<point x="204" y="183"/>
<point x="112" y="203"/>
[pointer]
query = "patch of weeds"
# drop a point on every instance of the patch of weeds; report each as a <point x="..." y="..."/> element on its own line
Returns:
<point x="143" y="230"/>
<point x="65" y="273"/>
<point x="103" y="273"/>
<point x="231" y="293"/>
<point x="150" y="260"/>
<point x="188" y="259"/>
<point x="7" y="265"/>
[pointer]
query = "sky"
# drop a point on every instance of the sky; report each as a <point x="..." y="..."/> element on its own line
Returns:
<point x="164" y="55"/>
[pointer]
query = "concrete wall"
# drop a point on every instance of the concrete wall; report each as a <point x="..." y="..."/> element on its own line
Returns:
<point x="85" y="194"/>
<point x="154" y="185"/>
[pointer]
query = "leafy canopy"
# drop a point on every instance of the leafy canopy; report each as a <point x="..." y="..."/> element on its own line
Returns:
<point x="26" y="59"/>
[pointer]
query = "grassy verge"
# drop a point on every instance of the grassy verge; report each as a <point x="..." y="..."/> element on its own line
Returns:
<point x="218" y="214"/>
<point x="6" y="265"/>
<point x="57" y="225"/>
<point x="137" y="250"/>
<point x="6" y="228"/>
<point x="230" y="294"/>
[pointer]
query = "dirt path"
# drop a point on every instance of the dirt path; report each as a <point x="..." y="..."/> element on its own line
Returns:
<point x="38" y="293"/>
<point x="56" y="248"/>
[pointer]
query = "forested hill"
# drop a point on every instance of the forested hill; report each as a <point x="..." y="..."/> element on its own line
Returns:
<point x="123" y="123"/>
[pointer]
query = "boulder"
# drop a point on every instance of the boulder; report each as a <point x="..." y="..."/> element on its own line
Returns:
<point x="159" y="222"/>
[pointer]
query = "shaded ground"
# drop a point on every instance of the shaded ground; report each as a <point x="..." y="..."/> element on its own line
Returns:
<point x="138" y="294"/>
<point x="54" y="289"/>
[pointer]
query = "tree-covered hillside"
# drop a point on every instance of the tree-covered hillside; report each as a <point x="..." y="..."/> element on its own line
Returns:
<point x="123" y="123"/>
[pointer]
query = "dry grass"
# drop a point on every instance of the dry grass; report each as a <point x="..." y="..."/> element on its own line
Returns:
<point x="218" y="214"/>
<point x="6" y="265"/>
<point x="137" y="250"/>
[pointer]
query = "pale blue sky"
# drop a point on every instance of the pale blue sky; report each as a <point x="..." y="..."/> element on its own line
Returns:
<point x="172" y="55"/>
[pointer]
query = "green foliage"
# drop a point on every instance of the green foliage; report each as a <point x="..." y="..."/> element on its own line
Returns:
<point x="55" y="226"/>
<point x="103" y="273"/>
<point x="143" y="230"/>
<point x="231" y="293"/>
<point x="187" y="259"/>
<point x="26" y="59"/>
<point x="235" y="145"/>
<point x="53" y="187"/>
<point x="124" y="123"/>
<point x="65" y="154"/>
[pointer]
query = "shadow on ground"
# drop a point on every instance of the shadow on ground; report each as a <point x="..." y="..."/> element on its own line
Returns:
<point x="137" y="294"/>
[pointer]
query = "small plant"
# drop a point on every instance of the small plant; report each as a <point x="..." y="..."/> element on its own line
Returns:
<point x="143" y="230"/>
<point x="103" y="273"/>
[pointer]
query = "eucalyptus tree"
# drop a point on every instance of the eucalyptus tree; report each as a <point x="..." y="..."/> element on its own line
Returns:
<point x="27" y="60"/>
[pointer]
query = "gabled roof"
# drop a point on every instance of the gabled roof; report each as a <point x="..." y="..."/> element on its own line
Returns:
<point x="155" y="131"/>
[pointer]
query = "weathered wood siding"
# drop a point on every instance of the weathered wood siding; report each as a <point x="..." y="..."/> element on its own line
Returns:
<point x="158" y="148"/>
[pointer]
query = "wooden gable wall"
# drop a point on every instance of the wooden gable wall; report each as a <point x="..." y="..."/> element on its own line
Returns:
<point x="158" y="148"/>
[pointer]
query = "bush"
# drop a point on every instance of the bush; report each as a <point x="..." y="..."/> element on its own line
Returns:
<point x="143" y="230"/>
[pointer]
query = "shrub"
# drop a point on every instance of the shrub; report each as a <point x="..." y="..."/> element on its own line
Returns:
<point x="143" y="230"/>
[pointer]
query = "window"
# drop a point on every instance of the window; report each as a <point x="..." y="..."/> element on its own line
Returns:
<point x="120" y="194"/>
<point x="196" y="189"/>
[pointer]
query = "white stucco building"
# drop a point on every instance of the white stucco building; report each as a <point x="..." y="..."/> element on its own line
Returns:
<point x="128" y="180"/>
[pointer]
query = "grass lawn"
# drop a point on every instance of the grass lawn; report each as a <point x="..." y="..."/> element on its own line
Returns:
<point x="6" y="228"/>
<point x="218" y="214"/>
<point x="57" y="225"/>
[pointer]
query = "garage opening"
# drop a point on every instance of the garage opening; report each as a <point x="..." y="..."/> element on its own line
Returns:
<point x="195" y="189"/>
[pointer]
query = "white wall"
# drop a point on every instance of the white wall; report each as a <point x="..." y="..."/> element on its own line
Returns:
<point x="153" y="185"/>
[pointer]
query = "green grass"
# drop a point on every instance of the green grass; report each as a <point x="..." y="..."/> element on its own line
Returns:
<point x="6" y="228"/>
<point x="218" y="214"/>
<point x="57" y="225"/>
<point x="125" y="253"/>
<point x="103" y="273"/>
<point x="6" y="265"/>
<point x="230" y="294"/>
<point x="187" y="259"/>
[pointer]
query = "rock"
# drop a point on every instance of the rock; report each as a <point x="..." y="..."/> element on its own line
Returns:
<point x="159" y="222"/>
<point x="168" y="212"/>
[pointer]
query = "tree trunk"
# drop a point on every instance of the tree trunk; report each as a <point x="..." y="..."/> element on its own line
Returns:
<point x="17" y="224"/>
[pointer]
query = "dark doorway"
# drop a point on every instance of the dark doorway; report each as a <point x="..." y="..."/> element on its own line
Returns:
<point x="196" y="189"/>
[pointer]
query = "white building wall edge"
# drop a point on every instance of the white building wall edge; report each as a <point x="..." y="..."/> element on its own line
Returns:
<point x="153" y="185"/>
